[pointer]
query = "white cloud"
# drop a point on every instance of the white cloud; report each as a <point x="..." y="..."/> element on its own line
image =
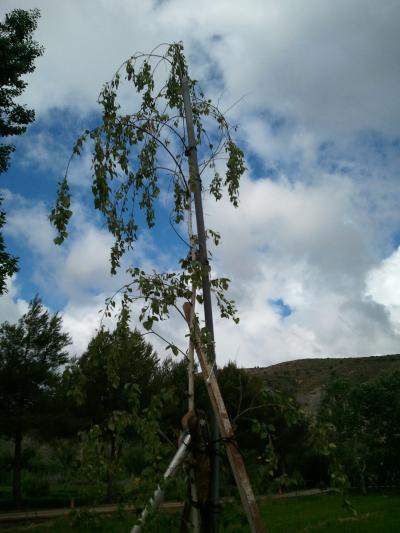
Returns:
<point x="87" y="264"/>
<point x="12" y="307"/>
<point x="83" y="319"/>
<point x="28" y="221"/>
<point x="383" y="287"/>
<point x="79" y="266"/>
<point x="77" y="273"/>
<point x="44" y="152"/>
<point x="312" y="246"/>
<point x="307" y="244"/>
<point x="330" y="67"/>
<point x="314" y="235"/>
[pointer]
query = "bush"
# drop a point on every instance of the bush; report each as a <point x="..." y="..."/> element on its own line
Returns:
<point x="35" y="486"/>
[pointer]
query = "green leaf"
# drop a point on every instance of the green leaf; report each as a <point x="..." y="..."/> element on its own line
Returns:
<point x="148" y="324"/>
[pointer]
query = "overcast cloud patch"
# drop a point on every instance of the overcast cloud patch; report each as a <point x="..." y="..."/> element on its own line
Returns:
<point x="313" y="88"/>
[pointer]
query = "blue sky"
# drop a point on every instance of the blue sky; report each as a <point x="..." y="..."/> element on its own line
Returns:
<point x="312" y="250"/>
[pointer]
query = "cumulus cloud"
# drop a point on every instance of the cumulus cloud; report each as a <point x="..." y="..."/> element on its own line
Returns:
<point x="11" y="306"/>
<point x="310" y="245"/>
<point x="383" y="287"/>
<point x="316" y="87"/>
<point x="83" y="319"/>
<point x="73" y="278"/>
<point x="330" y="67"/>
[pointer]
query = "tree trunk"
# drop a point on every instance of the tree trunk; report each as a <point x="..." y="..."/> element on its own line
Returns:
<point x="17" y="469"/>
<point x="362" y="480"/>
<point x="110" y="472"/>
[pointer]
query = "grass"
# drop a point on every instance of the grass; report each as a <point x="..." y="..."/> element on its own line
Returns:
<point x="314" y="514"/>
<point x="59" y="496"/>
<point x="325" y="513"/>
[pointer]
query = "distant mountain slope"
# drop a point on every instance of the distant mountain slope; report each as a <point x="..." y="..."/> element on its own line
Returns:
<point x="305" y="378"/>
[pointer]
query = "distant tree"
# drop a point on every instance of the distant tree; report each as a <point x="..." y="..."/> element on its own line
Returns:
<point x="273" y="428"/>
<point x="31" y="354"/>
<point x="138" y="155"/>
<point x="272" y="431"/>
<point x="365" y="426"/>
<point x="8" y="262"/>
<point x="173" y="377"/>
<point x="112" y="361"/>
<point x="18" y="52"/>
<point x="116" y="376"/>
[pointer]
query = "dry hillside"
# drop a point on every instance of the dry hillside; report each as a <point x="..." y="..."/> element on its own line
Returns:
<point x="305" y="378"/>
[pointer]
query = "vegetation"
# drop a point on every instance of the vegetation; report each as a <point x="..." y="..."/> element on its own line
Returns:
<point x="364" y="422"/>
<point x="321" y="513"/>
<point x="102" y="427"/>
<point x="18" y="52"/>
<point x="106" y="429"/>
<point x="115" y="387"/>
<point x="138" y="154"/>
<point x="31" y="354"/>
<point x="104" y="432"/>
<point x="305" y="379"/>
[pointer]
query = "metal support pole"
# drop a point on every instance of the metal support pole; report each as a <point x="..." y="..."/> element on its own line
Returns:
<point x="225" y="427"/>
<point x="193" y="302"/>
<point x="194" y="511"/>
<point x="195" y="185"/>
<point x="158" y="495"/>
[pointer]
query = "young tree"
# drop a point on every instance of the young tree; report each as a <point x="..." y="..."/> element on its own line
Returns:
<point x="18" y="52"/>
<point x="137" y="155"/>
<point x="112" y="361"/>
<point x="116" y="377"/>
<point x="31" y="354"/>
<point x="8" y="262"/>
<point x="365" y="426"/>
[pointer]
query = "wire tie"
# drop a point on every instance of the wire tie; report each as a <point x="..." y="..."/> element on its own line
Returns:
<point x="210" y="373"/>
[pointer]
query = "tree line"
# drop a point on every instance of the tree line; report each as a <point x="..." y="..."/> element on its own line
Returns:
<point x="113" y="415"/>
<point x="116" y="412"/>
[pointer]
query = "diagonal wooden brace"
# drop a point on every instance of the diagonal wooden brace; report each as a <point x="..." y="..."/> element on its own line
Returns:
<point x="226" y="430"/>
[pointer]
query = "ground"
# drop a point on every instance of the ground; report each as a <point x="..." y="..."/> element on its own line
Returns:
<point x="376" y="513"/>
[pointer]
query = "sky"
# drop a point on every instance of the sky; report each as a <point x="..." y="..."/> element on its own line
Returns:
<point x="313" y="249"/>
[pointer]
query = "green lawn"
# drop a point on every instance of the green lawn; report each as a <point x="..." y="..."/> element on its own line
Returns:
<point x="378" y="513"/>
<point x="322" y="513"/>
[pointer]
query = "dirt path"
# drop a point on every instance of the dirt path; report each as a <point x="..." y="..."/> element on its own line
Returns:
<point x="45" y="514"/>
<point x="166" y="507"/>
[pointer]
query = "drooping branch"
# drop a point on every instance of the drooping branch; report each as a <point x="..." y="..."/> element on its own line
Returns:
<point x="128" y="173"/>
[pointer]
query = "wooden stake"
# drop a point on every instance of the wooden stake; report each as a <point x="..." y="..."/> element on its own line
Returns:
<point x="194" y="511"/>
<point x="195" y="186"/>
<point x="226" y="430"/>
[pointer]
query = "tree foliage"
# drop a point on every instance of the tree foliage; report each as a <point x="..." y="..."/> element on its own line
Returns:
<point x="116" y="390"/>
<point x="114" y="362"/>
<point x="365" y="426"/>
<point x="31" y="354"/>
<point x="8" y="262"/>
<point x="136" y="155"/>
<point x="18" y="52"/>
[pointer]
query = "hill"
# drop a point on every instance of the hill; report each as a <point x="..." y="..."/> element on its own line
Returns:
<point x="304" y="379"/>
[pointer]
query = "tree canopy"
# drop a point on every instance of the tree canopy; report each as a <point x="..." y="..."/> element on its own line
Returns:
<point x="115" y="386"/>
<point x="137" y="155"/>
<point x="31" y="354"/>
<point x="365" y="426"/>
<point x="18" y="52"/>
<point x="113" y="361"/>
